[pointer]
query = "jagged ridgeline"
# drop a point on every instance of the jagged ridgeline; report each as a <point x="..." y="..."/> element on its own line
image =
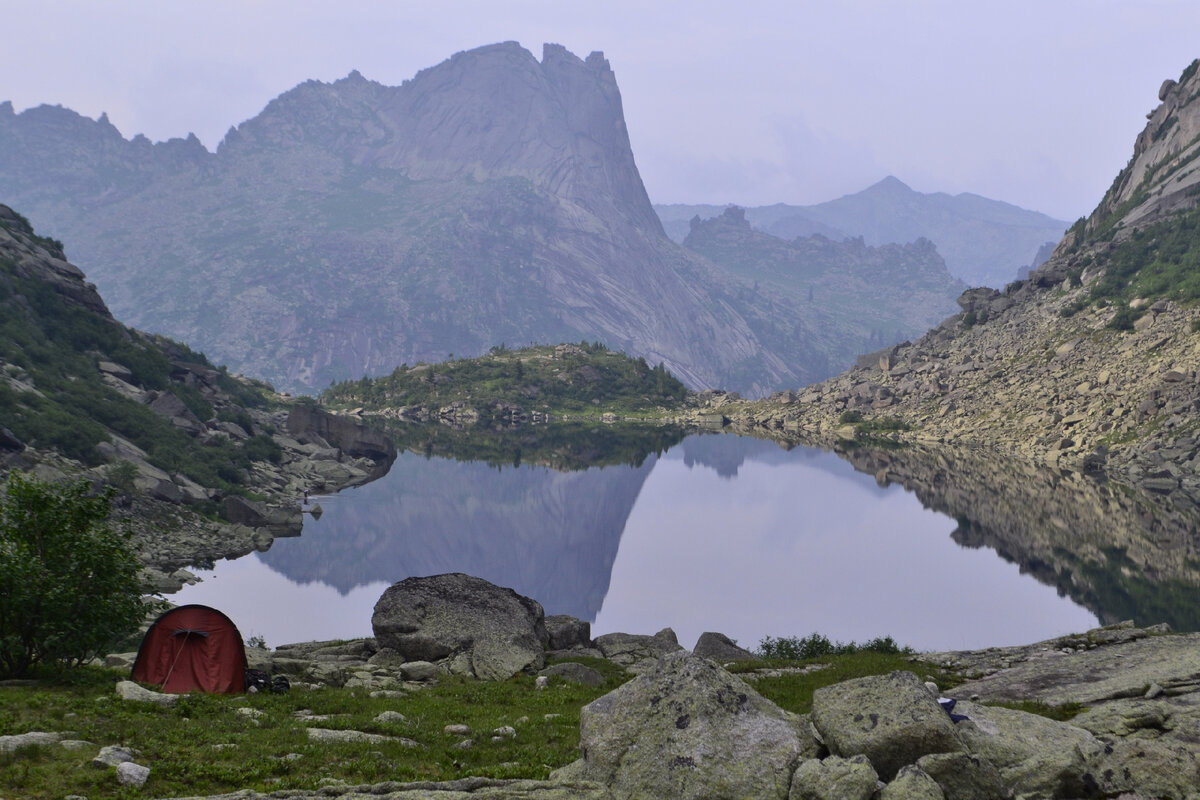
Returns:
<point x="505" y="386"/>
<point x="76" y="382"/>
<point x="352" y="226"/>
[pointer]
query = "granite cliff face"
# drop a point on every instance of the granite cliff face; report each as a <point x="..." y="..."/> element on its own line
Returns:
<point x="351" y="227"/>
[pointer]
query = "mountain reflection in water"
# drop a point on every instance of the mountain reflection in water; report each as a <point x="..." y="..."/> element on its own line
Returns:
<point x="745" y="536"/>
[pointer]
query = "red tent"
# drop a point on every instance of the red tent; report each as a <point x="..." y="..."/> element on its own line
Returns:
<point x="192" y="648"/>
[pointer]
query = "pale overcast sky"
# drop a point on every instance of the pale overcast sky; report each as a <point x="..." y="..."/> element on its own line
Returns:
<point x="1035" y="102"/>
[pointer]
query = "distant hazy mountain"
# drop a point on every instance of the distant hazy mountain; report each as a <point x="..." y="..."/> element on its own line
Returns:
<point x="844" y="298"/>
<point x="353" y="227"/>
<point x="984" y="242"/>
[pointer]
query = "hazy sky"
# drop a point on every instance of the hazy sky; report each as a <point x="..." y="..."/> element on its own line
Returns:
<point x="1035" y="102"/>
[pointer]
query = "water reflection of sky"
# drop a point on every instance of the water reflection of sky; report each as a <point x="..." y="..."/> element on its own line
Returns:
<point x="799" y="547"/>
<point x="733" y="536"/>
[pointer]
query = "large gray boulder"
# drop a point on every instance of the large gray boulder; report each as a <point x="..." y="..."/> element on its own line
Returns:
<point x="721" y="648"/>
<point x="834" y="778"/>
<point x="686" y="728"/>
<point x="629" y="649"/>
<point x="1036" y="756"/>
<point x="891" y="719"/>
<point x="567" y="632"/>
<point x="963" y="776"/>
<point x="475" y="627"/>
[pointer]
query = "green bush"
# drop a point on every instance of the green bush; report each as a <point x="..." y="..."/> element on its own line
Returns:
<point x="69" y="580"/>
<point x="816" y="645"/>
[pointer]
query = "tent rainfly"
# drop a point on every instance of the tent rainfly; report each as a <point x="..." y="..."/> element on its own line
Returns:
<point x="192" y="648"/>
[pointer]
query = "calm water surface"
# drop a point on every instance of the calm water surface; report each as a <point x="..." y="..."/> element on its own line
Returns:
<point x="719" y="533"/>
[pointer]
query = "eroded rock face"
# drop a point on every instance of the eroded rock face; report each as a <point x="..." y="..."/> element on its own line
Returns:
<point x="474" y="626"/>
<point x="688" y="729"/>
<point x="721" y="648"/>
<point x="891" y="719"/>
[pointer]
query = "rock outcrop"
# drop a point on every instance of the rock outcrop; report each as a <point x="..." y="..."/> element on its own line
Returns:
<point x="472" y="626"/>
<point x="688" y="729"/>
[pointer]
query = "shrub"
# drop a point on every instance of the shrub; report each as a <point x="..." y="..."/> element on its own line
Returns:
<point x="816" y="645"/>
<point x="69" y="580"/>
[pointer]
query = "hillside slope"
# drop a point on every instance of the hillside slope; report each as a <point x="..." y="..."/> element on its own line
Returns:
<point x="1091" y="363"/>
<point x="185" y="443"/>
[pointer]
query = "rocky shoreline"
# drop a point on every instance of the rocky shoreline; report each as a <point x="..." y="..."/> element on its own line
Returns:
<point x="683" y="726"/>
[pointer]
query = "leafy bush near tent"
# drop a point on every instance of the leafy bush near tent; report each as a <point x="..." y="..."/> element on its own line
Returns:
<point x="69" y="579"/>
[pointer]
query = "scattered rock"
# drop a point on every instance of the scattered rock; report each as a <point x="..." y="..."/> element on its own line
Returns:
<point x="912" y="783"/>
<point x="891" y="719"/>
<point x="111" y="756"/>
<point x="421" y="671"/>
<point x="329" y="735"/>
<point x="721" y="648"/>
<point x="574" y="673"/>
<point x="9" y="744"/>
<point x="686" y="728"/>
<point x="131" y="774"/>
<point x="834" y="778"/>
<point x="628" y="649"/>
<point x="128" y="690"/>
<point x="477" y="627"/>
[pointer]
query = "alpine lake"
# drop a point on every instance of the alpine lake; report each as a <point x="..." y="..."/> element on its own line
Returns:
<point x="638" y="528"/>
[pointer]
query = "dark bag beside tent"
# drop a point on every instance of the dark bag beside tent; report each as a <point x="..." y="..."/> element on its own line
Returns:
<point x="192" y="648"/>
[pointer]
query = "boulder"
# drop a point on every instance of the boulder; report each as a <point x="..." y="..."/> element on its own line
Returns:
<point x="834" y="778"/>
<point x="1036" y="756"/>
<point x="1150" y="768"/>
<point x="574" y="673"/>
<point x="128" y="690"/>
<point x="721" y="648"/>
<point x="567" y="632"/>
<point x="481" y="629"/>
<point x="686" y="728"/>
<point x="628" y="649"/>
<point x="912" y="783"/>
<point x="131" y="774"/>
<point x="9" y="744"/>
<point x="891" y="719"/>
<point x="963" y="776"/>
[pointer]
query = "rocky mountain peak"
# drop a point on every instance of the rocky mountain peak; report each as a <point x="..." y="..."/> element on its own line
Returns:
<point x="1162" y="176"/>
<point x="455" y="120"/>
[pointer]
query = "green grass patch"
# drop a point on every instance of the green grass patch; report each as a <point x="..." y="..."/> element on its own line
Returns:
<point x="204" y="745"/>
<point x="579" y="380"/>
<point x="1061" y="713"/>
<point x="794" y="690"/>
